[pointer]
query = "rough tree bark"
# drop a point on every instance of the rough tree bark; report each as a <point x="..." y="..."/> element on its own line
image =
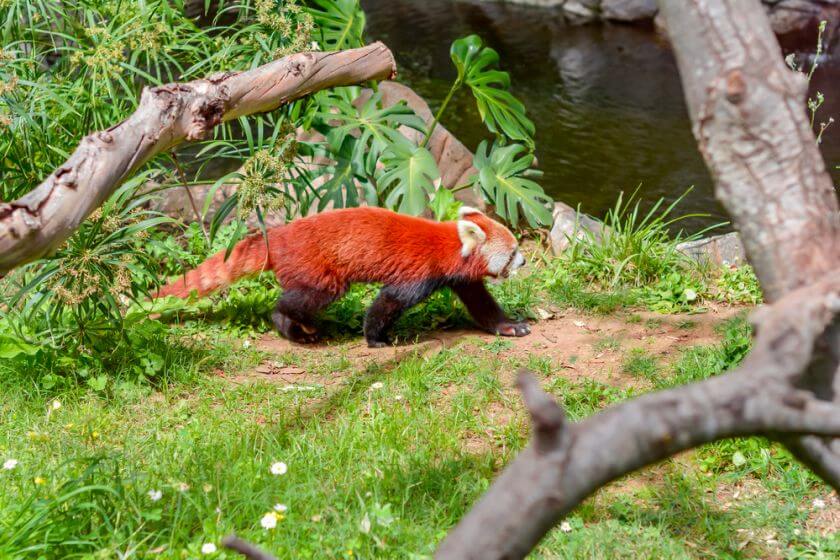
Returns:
<point x="748" y="113"/>
<point x="38" y="222"/>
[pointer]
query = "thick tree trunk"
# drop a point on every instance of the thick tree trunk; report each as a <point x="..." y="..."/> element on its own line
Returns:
<point x="40" y="221"/>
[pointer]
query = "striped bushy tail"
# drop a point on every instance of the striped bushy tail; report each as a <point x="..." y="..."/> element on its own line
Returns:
<point x="249" y="256"/>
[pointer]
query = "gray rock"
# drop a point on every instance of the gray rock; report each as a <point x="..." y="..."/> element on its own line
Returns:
<point x="721" y="250"/>
<point x="581" y="11"/>
<point x="568" y="225"/>
<point x="628" y="10"/>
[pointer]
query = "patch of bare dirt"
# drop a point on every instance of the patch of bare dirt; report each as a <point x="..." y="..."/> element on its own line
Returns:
<point x="578" y="346"/>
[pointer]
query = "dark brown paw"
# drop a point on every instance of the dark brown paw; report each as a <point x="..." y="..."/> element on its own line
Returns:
<point x="294" y="330"/>
<point x="513" y="329"/>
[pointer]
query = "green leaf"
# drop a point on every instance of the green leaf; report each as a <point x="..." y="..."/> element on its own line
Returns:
<point x="375" y="126"/>
<point x="501" y="112"/>
<point x="444" y="205"/>
<point x="501" y="179"/>
<point x="340" y="22"/>
<point x="409" y="176"/>
<point x="11" y="347"/>
<point x="345" y="178"/>
<point x="98" y="383"/>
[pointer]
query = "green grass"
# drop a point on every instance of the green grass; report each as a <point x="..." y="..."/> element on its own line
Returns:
<point x="373" y="471"/>
<point x="639" y="363"/>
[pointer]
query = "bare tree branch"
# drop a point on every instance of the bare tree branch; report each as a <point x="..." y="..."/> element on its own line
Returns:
<point x="38" y="222"/>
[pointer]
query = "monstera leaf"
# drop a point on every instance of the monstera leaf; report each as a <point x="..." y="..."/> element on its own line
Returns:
<point x="408" y="178"/>
<point x="340" y="22"/>
<point x="346" y="178"/>
<point x="375" y="126"/>
<point x="502" y="180"/>
<point x="499" y="109"/>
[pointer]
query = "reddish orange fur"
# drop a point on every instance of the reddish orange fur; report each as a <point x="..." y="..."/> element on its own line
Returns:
<point x="329" y="251"/>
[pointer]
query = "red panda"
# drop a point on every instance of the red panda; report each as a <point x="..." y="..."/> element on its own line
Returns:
<point x="316" y="259"/>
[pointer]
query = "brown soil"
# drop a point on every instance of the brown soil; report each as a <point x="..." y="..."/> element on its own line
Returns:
<point x="579" y="345"/>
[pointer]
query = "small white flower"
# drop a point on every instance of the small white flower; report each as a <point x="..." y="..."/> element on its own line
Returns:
<point x="364" y="524"/>
<point x="378" y="385"/>
<point x="155" y="495"/>
<point x="10" y="464"/>
<point x="398" y="398"/>
<point x="690" y="295"/>
<point x="246" y="344"/>
<point x="566" y="527"/>
<point x="218" y="511"/>
<point x="818" y="503"/>
<point x="269" y="521"/>
<point x="182" y="486"/>
<point x="282" y="508"/>
<point x="56" y="404"/>
<point x="279" y="468"/>
<point x="208" y="548"/>
<point x="315" y="46"/>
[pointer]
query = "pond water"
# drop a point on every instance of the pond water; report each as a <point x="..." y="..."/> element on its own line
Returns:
<point x="606" y="99"/>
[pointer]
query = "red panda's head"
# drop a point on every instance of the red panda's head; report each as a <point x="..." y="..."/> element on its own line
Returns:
<point x="491" y="240"/>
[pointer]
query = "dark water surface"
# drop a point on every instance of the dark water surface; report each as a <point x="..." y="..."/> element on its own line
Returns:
<point x="606" y="99"/>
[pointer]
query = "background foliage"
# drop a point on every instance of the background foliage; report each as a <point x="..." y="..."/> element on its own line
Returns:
<point x="69" y="68"/>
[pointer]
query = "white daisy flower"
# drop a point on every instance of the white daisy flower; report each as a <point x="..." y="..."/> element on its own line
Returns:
<point x="282" y="508"/>
<point x="155" y="495"/>
<point x="269" y="521"/>
<point x="279" y="468"/>
<point x="208" y="548"/>
<point x="56" y="404"/>
<point x="10" y="464"/>
<point x="566" y="527"/>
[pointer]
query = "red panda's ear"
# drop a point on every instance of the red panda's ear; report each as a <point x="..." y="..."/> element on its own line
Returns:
<point x="471" y="236"/>
<point x="468" y="210"/>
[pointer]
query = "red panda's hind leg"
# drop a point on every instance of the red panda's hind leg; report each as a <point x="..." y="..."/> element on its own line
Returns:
<point x="389" y="305"/>
<point x="486" y="312"/>
<point x="295" y="313"/>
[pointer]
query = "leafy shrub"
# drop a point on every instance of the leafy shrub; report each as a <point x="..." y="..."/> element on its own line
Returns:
<point x="738" y="285"/>
<point x="634" y="248"/>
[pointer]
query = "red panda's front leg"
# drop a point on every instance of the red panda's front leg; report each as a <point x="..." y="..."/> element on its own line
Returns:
<point x="486" y="312"/>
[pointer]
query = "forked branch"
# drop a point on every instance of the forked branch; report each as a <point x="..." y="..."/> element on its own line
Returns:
<point x="565" y="462"/>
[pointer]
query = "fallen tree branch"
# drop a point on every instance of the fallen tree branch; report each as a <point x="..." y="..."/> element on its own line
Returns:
<point x="41" y="220"/>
